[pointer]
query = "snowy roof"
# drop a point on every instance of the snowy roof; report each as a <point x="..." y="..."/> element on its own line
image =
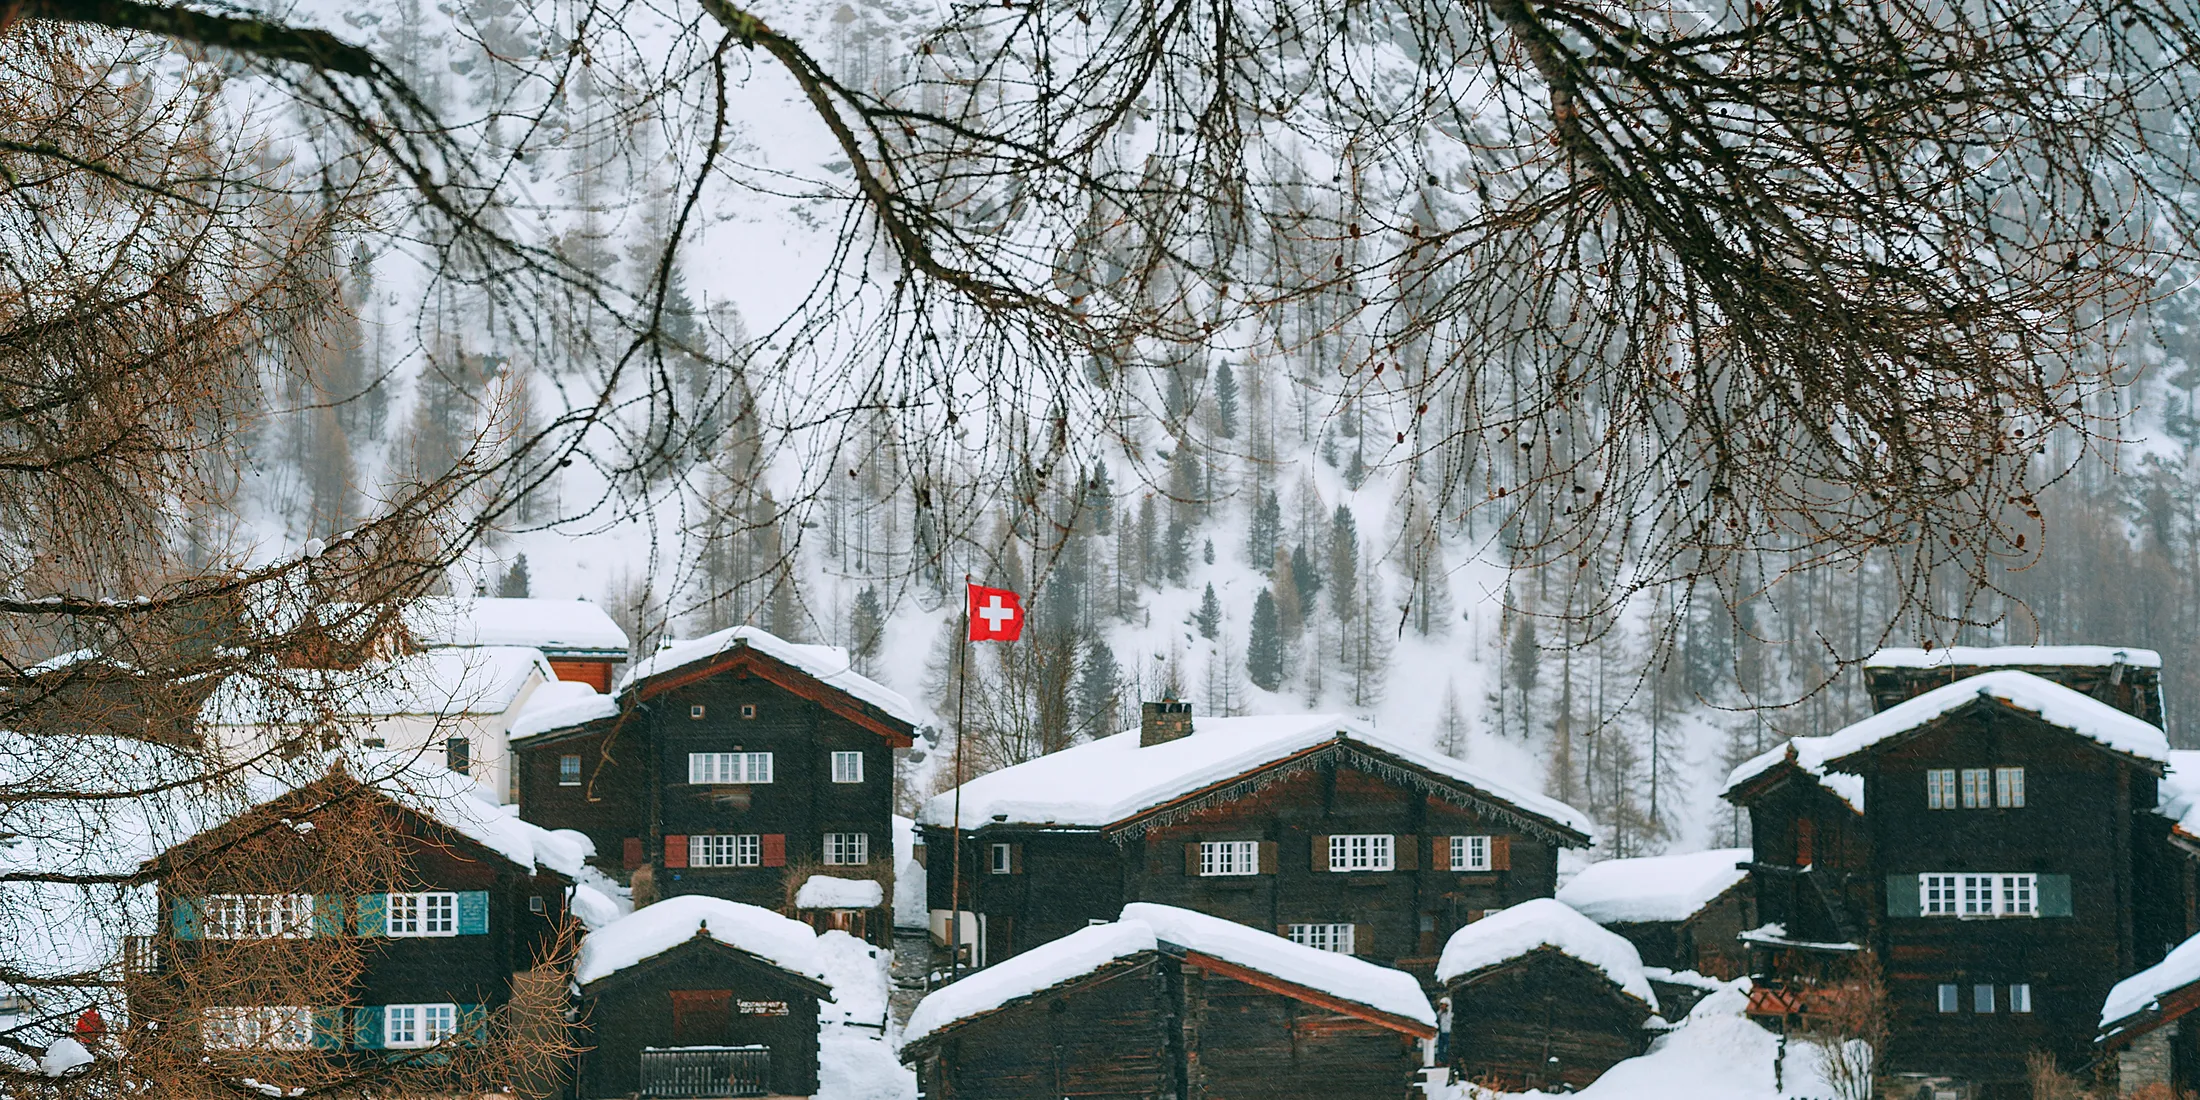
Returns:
<point x="561" y="704"/>
<point x="1103" y="782"/>
<point x="2014" y="656"/>
<point x="1808" y="754"/>
<point x="1654" y="888"/>
<point x="1041" y="968"/>
<point x="1508" y="934"/>
<point x="2178" y="795"/>
<point x="1391" y="992"/>
<point x="827" y="892"/>
<point x="438" y="682"/>
<point x="830" y="665"/>
<point x="655" y="929"/>
<point x="557" y="627"/>
<point x="460" y="804"/>
<point x="2140" y="992"/>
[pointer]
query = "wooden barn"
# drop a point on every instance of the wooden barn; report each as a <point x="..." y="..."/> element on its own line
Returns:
<point x="697" y="996"/>
<point x="2149" y="1038"/>
<point x="1168" y="1002"/>
<point x="1998" y="843"/>
<point x="1682" y="912"/>
<point x="721" y="762"/>
<point x="1309" y="826"/>
<point x="1542" y="997"/>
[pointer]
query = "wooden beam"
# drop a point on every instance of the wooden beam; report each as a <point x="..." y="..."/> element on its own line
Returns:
<point x="1262" y="980"/>
<point x="795" y="681"/>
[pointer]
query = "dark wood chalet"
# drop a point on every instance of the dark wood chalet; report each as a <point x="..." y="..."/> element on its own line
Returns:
<point x="408" y="909"/>
<point x="1994" y="843"/>
<point x="2149" y="1038"/>
<point x="2128" y="679"/>
<point x="1308" y="826"/>
<point x="1682" y="912"/>
<point x="723" y="761"/>
<point x="1542" y="997"/>
<point x="1167" y="1002"/>
<point x="697" y="996"/>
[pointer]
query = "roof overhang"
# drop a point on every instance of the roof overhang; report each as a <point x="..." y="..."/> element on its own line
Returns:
<point x="1471" y="977"/>
<point x="1852" y="761"/>
<point x="746" y="661"/>
<point x="1260" y="979"/>
<point x="702" y="940"/>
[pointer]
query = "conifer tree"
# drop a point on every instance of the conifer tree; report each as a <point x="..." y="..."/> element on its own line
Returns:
<point x="1264" y="653"/>
<point x="1100" y="498"/>
<point x="1149" y="549"/>
<point x="1523" y="664"/>
<point x="1209" y="618"/>
<point x="1305" y="581"/>
<point x="1226" y="401"/>
<point x="1283" y="584"/>
<point x="866" y="628"/>
<point x="1099" y="690"/>
<point x="1264" y="531"/>
<point x="1344" y="563"/>
<point x="1177" y="555"/>
<point x="513" y="585"/>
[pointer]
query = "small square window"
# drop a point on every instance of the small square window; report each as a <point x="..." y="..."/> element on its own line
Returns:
<point x="2009" y="788"/>
<point x="1982" y="998"/>
<point x="1470" y="853"/>
<point x="1978" y="789"/>
<point x="748" y="710"/>
<point x="847" y="767"/>
<point x="695" y="711"/>
<point x="1004" y="859"/>
<point x="847" y="849"/>
<point x="537" y="905"/>
<point x="1950" y="997"/>
<point x="569" y="770"/>
<point x="2020" y="997"/>
<point x="1940" y="788"/>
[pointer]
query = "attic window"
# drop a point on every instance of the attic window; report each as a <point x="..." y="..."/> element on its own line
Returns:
<point x="695" y="712"/>
<point x="748" y="710"/>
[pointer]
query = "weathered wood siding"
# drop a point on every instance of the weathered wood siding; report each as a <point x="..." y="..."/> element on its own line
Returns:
<point x="1246" y="1043"/>
<point x="611" y="802"/>
<point x="1545" y="1020"/>
<point x="633" y="1008"/>
<point x="1111" y="1037"/>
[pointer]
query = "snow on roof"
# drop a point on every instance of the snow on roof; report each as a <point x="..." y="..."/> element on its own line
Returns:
<point x="655" y="929"/>
<point x="2139" y="992"/>
<point x="554" y="626"/>
<point x="1394" y="992"/>
<point x="827" y="892"/>
<point x="2178" y="796"/>
<point x="1654" y="888"/>
<point x="2014" y="656"/>
<point x="1103" y="782"/>
<point x="459" y="803"/>
<point x="561" y="704"/>
<point x="1808" y="753"/>
<point x="829" y="664"/>
<point x="1508" y="934"/>
<point x="438" y="682"/>
<point x="1041" y="968"/>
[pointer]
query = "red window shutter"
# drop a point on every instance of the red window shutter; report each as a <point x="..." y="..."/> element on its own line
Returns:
<point x="1405" y="852"/>
<point x="676" y="850"/>
<point x="1363" y="939"/>
<point x="775" y="849"/>
<point x="632" y="856"/>
<point x="1267" y="857"/>
<point x="1501" y="853"/>
<point x="1439" y="853"/>
<point x="1806" y="836"/>
<point x="1191" y="858"/>
<point x="1320" y="861"/>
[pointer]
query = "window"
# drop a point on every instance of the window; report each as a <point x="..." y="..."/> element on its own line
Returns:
<point x="729" y="767"/>
<point x="277" y="1027"/>
<point x="2020" y="997"/>
<point x="537" y="905"/>
<point x="1950" y="998"/>
<point x="1977" y="793"/>
<point x="695" y="712"/>
<point x="257" y="917"/>
<point x="1470" y="853"/>
<point x="458" y="754"/>
<point x="1003" y="857"/>
<point x="728" y="850"/>
<point x="430" y="914"/>
<point x="1982" y="998"/>
<point x="847" y="849"/>
<point x="1946" y="895"/>
<point x="1940" y="788"/>
<point x="1365" y="852"/>
<point x="414" y="1026"/>
<point x="2009" y="787"/>
<point x="1324" y="937"/>
<point x="1229" y="857"/>
<point x="569" y="770"/>
<point x="847" y="767"/>
<point x="748" y="710"/>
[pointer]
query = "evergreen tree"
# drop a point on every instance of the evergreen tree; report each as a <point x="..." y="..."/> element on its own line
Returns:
<point x="1283" y="584"/>
<point x="1099" y="690"/>
<point x="1304" y="579"/>
<point x="1100" y="498"/>
<point x="1523" y="664"/>
<point x="1265" y="530"/>
<point x="1451" y="726"/>
<point x="1264" y="648"/>
<point x="1178" y="555"/>
<point x="1187" y="483"/>
<point x="866" y="628"/>
<point x="1207" y="552"/>
<point x="513" y="584"/>
<point x="1149" y="549"/>
<point x="1344" y="563"/>
<point x="1210" y="614"/>
<point x="1226" y="401"/>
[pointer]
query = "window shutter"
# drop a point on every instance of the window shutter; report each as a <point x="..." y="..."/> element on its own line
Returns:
<point x="775" y="850"/>
<point x="1902" y="896"/>
<point x="1501" y="853"/>
<point x="1405" y="852"/>
<point x="1439" y="853"/>
<point x="473" y="912"/>
<point x="184" y="921"/>
<point x="2054" y="895"/>
<point x="372" y="908"/>
<point x="633" y="855"/>
<point x="328" y="914"/>
<point x="1267" y="857"/>
<point x="1016" y="859"/>
<point x="367" y="1029"/>
<point x="472" y="1022"/>
<point x="1191" y="858"/>
<point x="1321" y="852"/>
<point x="676" y="850"/>
<point x="328" y="1029"/>
<point x="1363" y="939"/>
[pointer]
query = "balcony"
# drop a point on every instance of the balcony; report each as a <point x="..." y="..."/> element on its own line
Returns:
<point x="705" y="1073"/>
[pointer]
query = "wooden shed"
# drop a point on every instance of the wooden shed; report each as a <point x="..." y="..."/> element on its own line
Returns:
<point x="1168" y="1002"/>
<point x="1542" y="997"/>
<point x="2149" y="1038"/>
<point x="699" y="997"/>
<point x="1682" y="912"/>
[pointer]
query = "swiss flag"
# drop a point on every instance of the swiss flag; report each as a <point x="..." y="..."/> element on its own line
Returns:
<point x="996" y="615"/>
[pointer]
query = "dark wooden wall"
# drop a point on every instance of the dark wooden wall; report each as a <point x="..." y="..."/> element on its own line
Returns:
<point x="1830" y="903"/>
<point x="1508" y="1023"/>
<point x="2135" y="690"/>
<point x="1246" y="1043"/>
<point x="1110" y="1037"/>
<point x="611" y="804"/>
<point x="632" y="1009"/>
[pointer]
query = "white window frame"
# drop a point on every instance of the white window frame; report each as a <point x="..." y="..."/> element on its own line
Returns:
<point x="1940" y="788"/>
<point x="1470" y="853"/>
<point x="1978" y="788"/>
<point x="420" y="1025"/>
<point x="1936" y="895"/>
<point x="2009" y="788"/>
<point x="719" y="768"/>
<point x="1323" y="937"/>
<point x="257" y="917"/>
<point x="1978" y="896"/>
<point x="2020" y="998"/>
<point x="726" y="850"/>
<point x="575" y="781"/>
<point x="1950" y="998"/>
<point x="256" y="1027"/>
<point x="1985" y="1001"/>
<point x="431" y="914"/>
<point x="1228" y="858"/>
<point x="847" y="849"/>
<point x="1001" y="858"/>
<point x="1363" y="852"/>
<point x="847" y="767"/>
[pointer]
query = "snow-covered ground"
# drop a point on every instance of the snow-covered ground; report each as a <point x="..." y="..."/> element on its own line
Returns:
<point x="856" y="1041"/>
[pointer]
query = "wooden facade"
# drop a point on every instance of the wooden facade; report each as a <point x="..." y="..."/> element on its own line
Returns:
<point x="2134" y="687"/>
<point x="1541" y="1020"/>
<point x="1707" y="942"/>
<point x="700" y="996"/>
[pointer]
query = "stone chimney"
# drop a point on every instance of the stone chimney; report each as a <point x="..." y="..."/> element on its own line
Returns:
<point x="1164" y="721"/>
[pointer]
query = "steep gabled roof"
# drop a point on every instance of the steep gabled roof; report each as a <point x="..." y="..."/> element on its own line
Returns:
<point x="655" y="929"/>
<point x="1654" y="888"/>
<point x="560" y="628"/>
<point x="1801" y="757"/>
<point x="2158" y="995"/>
<point x="561" y="705"/>
<point x="1115" y="783"/>
<point x="1544" y="924"/>
<point x="819" y="672"/>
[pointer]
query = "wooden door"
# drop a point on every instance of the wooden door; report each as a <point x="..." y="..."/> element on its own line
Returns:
<point x="701" y="1017"/>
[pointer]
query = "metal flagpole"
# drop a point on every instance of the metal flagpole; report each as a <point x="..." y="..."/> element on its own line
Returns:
<point x="962" y="693"/>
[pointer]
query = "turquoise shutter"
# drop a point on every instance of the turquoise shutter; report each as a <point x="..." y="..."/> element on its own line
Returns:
<point x="473" y="1024"/>
<point x="371" y="910"/>
<point x="328" y="914"/>
<point x="367" y="1033"/>
<point x="2054" y="895"/>
<point x="328" y="1029"/>
<point x="185" y="918"/>
<point x="1902" y="896"/>
<point x="473" y="912"/>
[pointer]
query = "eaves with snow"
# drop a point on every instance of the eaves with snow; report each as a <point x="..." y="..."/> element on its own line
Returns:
<point x="655" y="929"/>
<point x="1544" y="924"/>
<point x="559" y="628"/>
<point x="1654" y="888"/>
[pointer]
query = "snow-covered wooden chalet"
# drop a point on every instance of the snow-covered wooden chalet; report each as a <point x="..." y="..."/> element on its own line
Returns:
<point x="1309" y="826"/>
<point x="1542" y="997"/>
<point x="1169" y="1002"/>
<point x="1682" y="912"/>
<point x="698" y="996"/>
<point x="720" y="762"/>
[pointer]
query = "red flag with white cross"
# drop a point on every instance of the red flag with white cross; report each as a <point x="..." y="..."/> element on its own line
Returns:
<point x="996" y="615"/>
